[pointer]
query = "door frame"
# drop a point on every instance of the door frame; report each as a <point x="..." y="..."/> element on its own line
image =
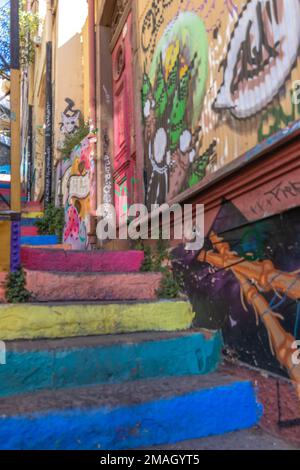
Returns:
<point x="105" y="42"/>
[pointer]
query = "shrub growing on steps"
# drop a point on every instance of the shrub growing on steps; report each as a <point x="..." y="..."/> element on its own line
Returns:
<point x="16" y="292"/>
<point x="53" y="222"/>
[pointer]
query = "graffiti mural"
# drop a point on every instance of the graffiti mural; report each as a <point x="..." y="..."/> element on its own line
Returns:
<point x="262" y="48"/>
<point x="76" y="195"/>
<point x="70" y="118"/>
<point x="246" y="281"/>
<point x="217" y="84"/>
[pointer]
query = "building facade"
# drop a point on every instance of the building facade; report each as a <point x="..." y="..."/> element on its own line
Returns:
<point x="187" y="102"/>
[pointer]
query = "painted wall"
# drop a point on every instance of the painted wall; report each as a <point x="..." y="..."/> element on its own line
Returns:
<point x="217" y="81"/>
<point x="70" y="68"/>
<point x="76" y="174"/>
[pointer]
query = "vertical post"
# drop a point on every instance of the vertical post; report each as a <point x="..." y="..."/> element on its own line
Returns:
<point x="48" y="110"/>
<point x="93" y="117"/>
<point x="48" y="123"/>
<point x="29" y="155"/>
<point x="15" y="97"/>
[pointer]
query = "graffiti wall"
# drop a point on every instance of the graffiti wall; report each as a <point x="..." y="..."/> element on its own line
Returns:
<point x="246" y="282"/>
<point x="76" y="190"/>
<point x="217" y="82"/>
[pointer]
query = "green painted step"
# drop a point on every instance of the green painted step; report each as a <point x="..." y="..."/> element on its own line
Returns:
<point x="41" y="365"/>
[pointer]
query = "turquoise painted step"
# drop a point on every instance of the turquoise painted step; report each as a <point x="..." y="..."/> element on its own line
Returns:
<point x="40" y="240"/>
<point x="41" y="365"/>
<point x="128" y="416"/>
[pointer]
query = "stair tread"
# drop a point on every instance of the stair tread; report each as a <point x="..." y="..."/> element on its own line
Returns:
<point x="93" y="273"/>
<point x="103" y="340"/>
<point x="113" y="395"/>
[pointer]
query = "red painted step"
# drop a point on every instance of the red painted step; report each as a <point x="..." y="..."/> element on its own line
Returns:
<point x="64" y="287"/>
<point x="30" y="231"/>
<point x="81" y="261"/>
<point x="32" y="207"/>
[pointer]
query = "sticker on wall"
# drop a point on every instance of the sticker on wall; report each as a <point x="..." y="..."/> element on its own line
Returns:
<point x="261" y="55"/>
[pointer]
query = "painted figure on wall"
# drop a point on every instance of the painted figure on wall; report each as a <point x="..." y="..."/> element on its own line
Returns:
<point x="76" y="191"/>
<point x="172" y="97"/>
<point x="217" y="84"/>
<point x="246" y="281"/>
<point x="70" y="118"/>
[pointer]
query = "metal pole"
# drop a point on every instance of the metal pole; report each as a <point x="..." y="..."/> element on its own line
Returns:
<point x="15" y="107"/>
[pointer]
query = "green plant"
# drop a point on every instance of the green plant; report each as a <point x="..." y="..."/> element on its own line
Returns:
<point x="29" y="25"/>
<point x="148" y="264"/>
<point x="171" y="286"/>
<point x="53" y="221"/>
<point x="155" y="260"/>
<point x="73" y="140"/>
<point x="161" y="255"/>
<point x="16" y="292"/>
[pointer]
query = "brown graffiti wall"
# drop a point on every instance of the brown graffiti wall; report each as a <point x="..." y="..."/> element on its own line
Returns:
<point x="217" y="81"/>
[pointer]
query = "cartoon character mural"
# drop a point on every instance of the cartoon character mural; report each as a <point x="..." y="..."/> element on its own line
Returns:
<point x="217" y="82"/>
<point x="76" y="188"/>
<point x="246" y="281"/>
<point x="70" y="118"/>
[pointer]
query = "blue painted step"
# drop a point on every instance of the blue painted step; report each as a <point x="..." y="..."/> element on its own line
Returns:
<point x="128" y="416"/>
<point x="40" y="240"/>
<point x="60" y="364"/>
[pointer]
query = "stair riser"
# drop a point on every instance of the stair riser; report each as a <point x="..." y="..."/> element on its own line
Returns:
<point x="39" y="240"/>
<point x="30" y="371"/>
<point x="195" y="415"/>
<point x="29" y="231"/>
<point x="60" y="261"/>
<point x="69" y="321"/>
<point x="52" y="287"/>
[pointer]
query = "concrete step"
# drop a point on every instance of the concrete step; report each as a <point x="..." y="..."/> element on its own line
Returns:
<point x="66" y="363"/>
<point x="128" y="416"/>
<point x="29" y="231"/>
<point x="247" y="439"/>
<point x="52" y="287"/>
<point x="32" y="207"/>
<point x="82" y="261"/>
<point x="68" y="320"/>
<point x="32" y="215"/>
<point x="39" y="240"/>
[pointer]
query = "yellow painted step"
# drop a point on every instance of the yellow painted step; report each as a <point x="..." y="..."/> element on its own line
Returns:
<point x="33" y="321"/>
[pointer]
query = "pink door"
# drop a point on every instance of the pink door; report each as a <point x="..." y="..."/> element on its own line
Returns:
<point x="124" y="147"/>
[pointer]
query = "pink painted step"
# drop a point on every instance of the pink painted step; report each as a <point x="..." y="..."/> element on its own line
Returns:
<point x="81" y="261"/>
<point x="32" y="207"/>
<point x="56" y="287"/>
<point x="29" y="231"/>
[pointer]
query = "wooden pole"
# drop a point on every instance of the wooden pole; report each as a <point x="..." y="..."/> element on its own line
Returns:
<point x="15" y="107"/>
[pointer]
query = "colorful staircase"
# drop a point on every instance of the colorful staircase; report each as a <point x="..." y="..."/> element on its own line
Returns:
<point x="98" y="362"/>
<point x="31" y="212"/>
<point x="115" y="375"/>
